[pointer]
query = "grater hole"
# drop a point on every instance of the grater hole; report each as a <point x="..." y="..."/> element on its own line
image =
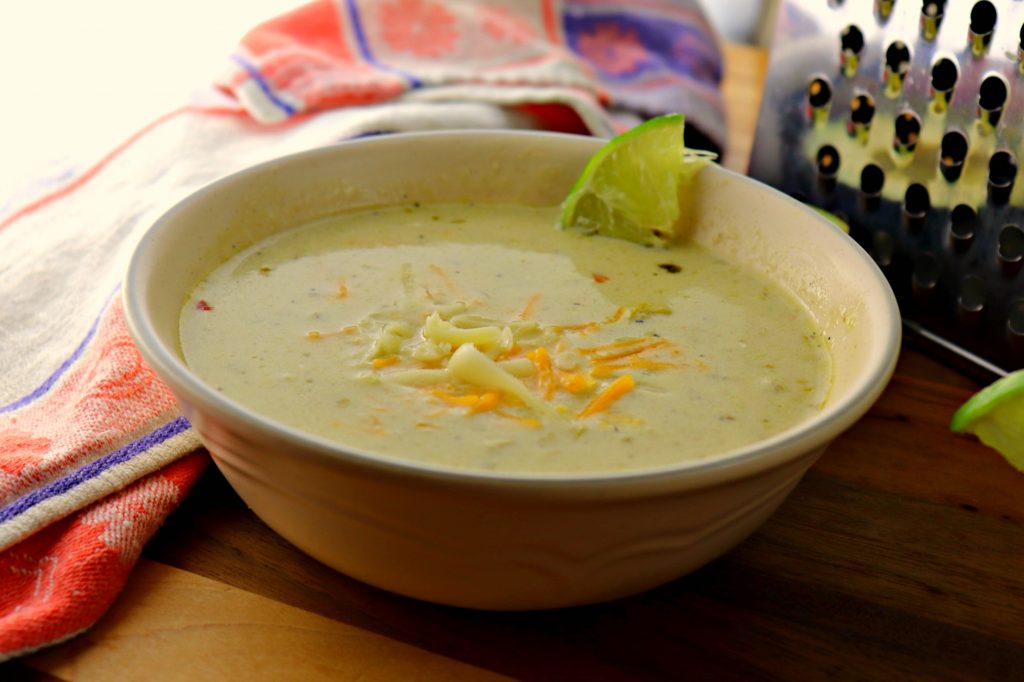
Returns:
<point x="983" y="17"/>
<point x="884" y="8"/>
<point x="851" y="44"/>
<point x="931" y="17"/>
<point x="882" y="249"/>
<point x="925" y="277"/>
<point x="1002" y="167"/>
<point x="852" y="40"/>
<point x="862" y="109"/>
<point x="1020" y="51"/>
<point x="954" y="145"/>
<point x="897" y="56"/>
<point x="962" y="226"/>
<point x="992" y="93"/>
<point x="916" y="204"/>
<point x="819" y="92"/>
<point x="828" y="166"/>
<point x="897" y="63"/>
<point x="971" y="301"/>
<point x="819" y="99"/>
<point x="932" y="8"/>
<point x="1015" y="324"/>
<point x="872" y="178"/>
<point x="828" y="161"/>
<point x="1011" y="249"/>
<point x="916" y="199"/>
<point x="953" y="151"/>
<point x="1002" y="170"/>
<point x="944" y="74"/>
<point x="908" y="128"/>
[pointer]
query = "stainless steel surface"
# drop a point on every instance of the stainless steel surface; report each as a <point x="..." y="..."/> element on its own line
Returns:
<point x="928" y="98"/>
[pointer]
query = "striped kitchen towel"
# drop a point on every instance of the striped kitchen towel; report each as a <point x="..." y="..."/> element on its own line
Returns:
<point x="93" y="451"/>
<point x="581" y="65"/>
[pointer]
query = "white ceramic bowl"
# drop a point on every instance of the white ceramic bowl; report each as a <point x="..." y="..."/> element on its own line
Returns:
<point x="498" y="541"/>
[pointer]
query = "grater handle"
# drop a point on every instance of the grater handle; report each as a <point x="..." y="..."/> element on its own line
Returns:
<point x="950" y="354"/>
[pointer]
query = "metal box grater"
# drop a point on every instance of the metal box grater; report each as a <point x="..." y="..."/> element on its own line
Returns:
<point x="904" y="118"/>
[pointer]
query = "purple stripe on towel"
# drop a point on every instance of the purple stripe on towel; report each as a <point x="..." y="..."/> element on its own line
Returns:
<point x="94" y="469"/>
<point x="367" y="53"/>
<point x="65" y="366"/>
<point x="264" y="86"/>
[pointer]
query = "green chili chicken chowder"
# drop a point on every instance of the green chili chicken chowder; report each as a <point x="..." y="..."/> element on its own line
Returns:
<point x="481" y="337"/>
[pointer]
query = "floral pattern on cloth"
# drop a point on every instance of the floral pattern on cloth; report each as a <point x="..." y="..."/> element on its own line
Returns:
<point x="420" y="28"/>
<point x="611" y="64"/>
<point x="647" y="63"/>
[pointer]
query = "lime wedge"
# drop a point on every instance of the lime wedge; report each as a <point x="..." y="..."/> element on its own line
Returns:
<point x="839" y="222"/>
<point x="634" y="187"/>
<point x="995" y="414"/>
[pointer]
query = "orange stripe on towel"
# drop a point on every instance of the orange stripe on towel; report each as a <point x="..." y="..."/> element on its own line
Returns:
<point x="110" y="156"/>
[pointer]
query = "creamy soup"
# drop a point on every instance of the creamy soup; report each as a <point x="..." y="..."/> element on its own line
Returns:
<point x="482" y="337"/>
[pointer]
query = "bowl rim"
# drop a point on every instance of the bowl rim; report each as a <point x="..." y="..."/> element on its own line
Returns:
<point x="809" y="435"/>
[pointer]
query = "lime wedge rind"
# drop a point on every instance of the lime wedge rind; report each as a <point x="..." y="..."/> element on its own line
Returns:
<point x="995" y="415"/>
<point x="836" y="220"/>
<point x="630" y="189"/>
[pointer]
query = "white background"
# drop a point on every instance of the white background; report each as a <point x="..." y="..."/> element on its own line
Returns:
<point x="77" y="77"/>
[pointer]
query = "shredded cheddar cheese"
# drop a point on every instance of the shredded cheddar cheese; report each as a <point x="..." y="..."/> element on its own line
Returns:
<point x="610" y="368"/>
<point x="545" y="375"/>
<point x="603" y="400"/>
<point x="609" y="357"/>
<point x="575" y="383"/>
<point x="446" y="279"/>
<point x="588" y="327"/>
<point x="614" y="345"/>
<point x="484" y="365"/>
<point x="458" y="348"/>
<point x="528" y="422"/>
<point x="467" y="400"/>
<point x="487" y="401"/>
<point x="530" y="307"/>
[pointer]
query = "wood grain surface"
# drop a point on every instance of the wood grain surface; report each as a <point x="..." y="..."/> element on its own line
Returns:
<point x="899" y="556"/>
